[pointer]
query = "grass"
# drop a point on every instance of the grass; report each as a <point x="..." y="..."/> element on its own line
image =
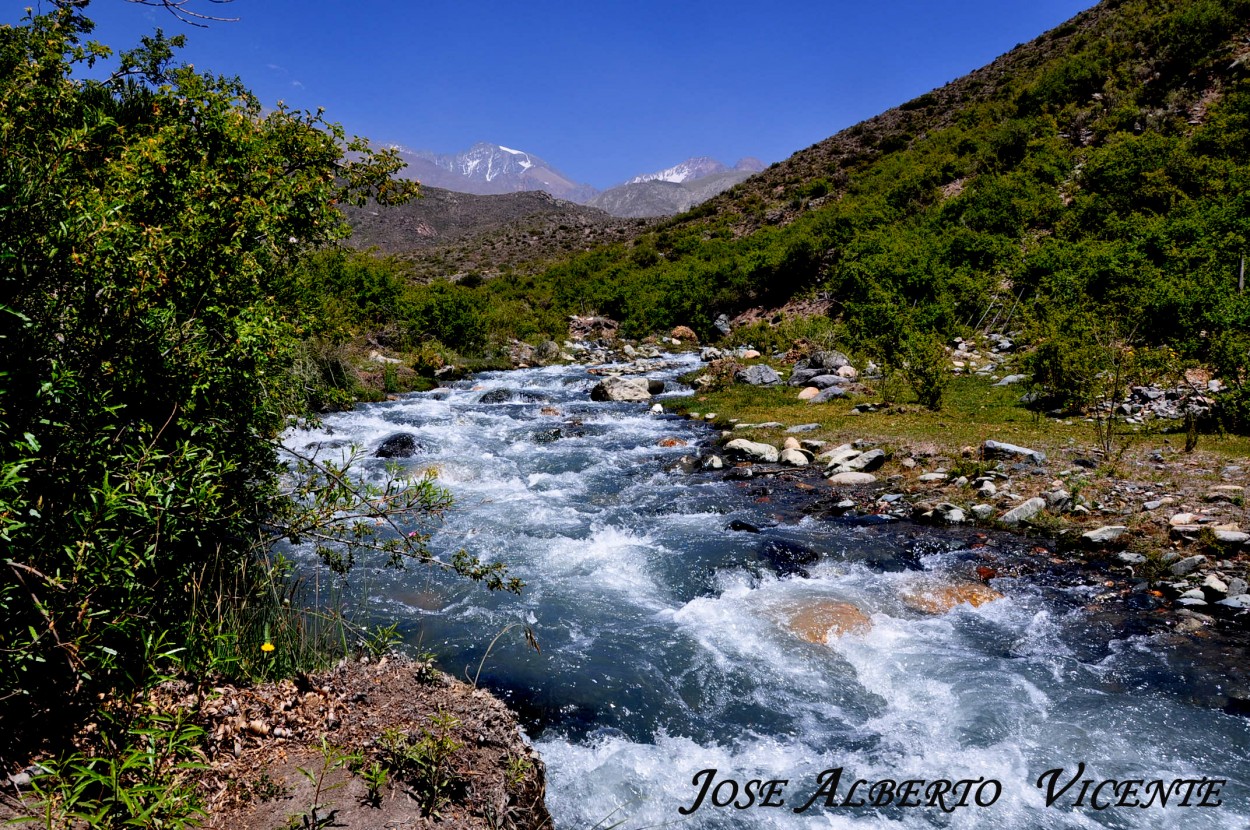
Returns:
<point x="973" y="411"/>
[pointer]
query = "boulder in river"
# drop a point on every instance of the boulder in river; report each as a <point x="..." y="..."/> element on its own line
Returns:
<point x="399" y="445"/>
<point x="621" y="389"/>
<point x="787" y="558"/>
<point x="937" y="596"/>
<point x="815" y="619"/>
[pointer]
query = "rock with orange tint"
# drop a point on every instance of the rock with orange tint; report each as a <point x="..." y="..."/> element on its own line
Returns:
<point x="937" y="596"/>
<point x="672" y="442"/>
<point x="816" y="619"/>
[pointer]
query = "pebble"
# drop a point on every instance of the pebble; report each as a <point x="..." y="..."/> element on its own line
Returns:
<point x="928" y="477"/>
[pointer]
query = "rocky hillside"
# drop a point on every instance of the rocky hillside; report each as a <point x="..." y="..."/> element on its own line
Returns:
<point x="450" y="234"/>
<point x="1087" y="188"/>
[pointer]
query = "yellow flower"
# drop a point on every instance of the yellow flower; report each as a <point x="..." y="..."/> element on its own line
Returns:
<point x="267" y="647"/>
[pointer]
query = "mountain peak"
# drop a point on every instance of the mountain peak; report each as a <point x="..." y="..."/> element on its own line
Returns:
<point x="688" y="170"/>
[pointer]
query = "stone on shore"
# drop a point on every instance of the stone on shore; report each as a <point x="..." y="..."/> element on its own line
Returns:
<point x="852" y="478"/>
<point x="1023" y="512"/>
<point x="1000" y="449"/>
<point x="1103" y="535"/>
<point x="757" y="375"/>
<point x="1188" y="565"/>
<point x="751" y="451"/>
<point x="793" y="457"/>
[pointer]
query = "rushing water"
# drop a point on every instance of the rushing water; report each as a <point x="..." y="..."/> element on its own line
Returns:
<point x="664" y="652"/>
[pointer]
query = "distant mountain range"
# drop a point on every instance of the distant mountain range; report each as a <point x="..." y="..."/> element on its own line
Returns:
<point x="492" y="169"/>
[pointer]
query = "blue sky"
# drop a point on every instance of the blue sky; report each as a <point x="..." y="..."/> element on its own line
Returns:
<point x="602" y="90"/>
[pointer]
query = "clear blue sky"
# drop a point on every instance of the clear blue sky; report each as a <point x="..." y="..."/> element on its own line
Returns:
<point x="602" y="90"/>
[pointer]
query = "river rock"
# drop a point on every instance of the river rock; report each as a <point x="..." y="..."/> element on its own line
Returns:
<point x="787" y="558"/>
<point x="929" y="478"/>
<point x="1023" y="512"/>
<point x="547" y="351"/>
<point x="621" y="389"/>
<point x="983" y="511"/>
<point x="721" y="324"/>
<point x="757" y="375"/>
<point x="808" y="392"/>
<point x="852" y="478"/>
<point x="793" y="457"/>
<point x="949" y="514"/>
<point x="713" y="462"/>
<point x="399" y="445"/>
<point x="751" y="451"/>
<point x="1237" y="585"/>
<point x="932" y="596"/>
<point x="848" y="372"/>
<point x="1183" y="519"/>
<point x="816" y="619"/>
<point x="1188" y="565"/>
<point x="999" y="449"/>
<point x="1129" y="558"/>
<point x="1011" y="379"/>
<point x="1103" y="535"/>
<point x="1238" y="601"/>
<point x="803" y="428"/>
<point x="839" y="455"/>
<point x="865" y="462"/>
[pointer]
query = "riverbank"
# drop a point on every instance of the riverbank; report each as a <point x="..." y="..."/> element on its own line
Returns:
<point x="388" y="742"/>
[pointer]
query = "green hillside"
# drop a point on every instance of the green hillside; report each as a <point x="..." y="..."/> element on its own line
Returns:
<point x="1090" y="184"/>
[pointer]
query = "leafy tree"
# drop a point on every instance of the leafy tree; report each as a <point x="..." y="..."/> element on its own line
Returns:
<point x="150" y="225"/>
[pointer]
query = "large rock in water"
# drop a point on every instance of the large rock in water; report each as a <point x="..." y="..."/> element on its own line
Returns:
<point x="621" y="389"/>
<point x="399" y="445"/>
<point x="931" y="596"/>
<point x="816" y="619"/>
<point x="757" y="375"/>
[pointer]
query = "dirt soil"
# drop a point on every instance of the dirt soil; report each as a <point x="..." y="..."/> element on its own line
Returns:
<point x="278" y="754"/>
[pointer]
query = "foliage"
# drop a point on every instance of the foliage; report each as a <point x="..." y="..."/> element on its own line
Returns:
<point x="425" y="762"/>
<point x="925" y="367"/>
<point x="154" y="233"/>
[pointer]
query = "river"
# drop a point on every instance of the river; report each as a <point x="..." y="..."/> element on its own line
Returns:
<point x="666" y="649"/>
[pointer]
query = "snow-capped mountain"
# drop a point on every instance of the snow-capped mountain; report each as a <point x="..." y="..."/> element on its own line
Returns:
<point x="698" y="167"/>
<point x="486" y="169"/>
<point x="490" y="169"/>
